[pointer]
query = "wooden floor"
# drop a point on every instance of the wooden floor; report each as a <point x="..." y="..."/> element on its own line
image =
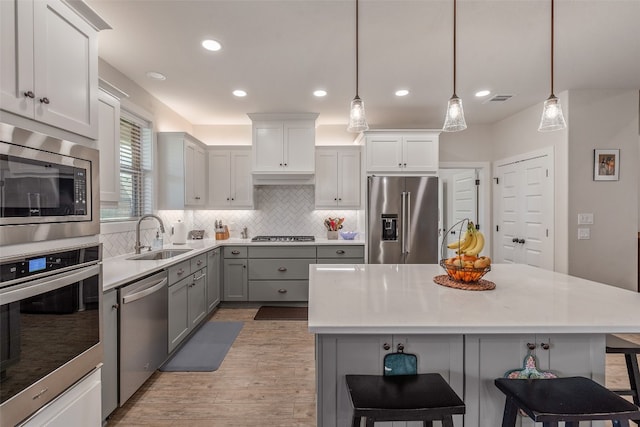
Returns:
<point x="266" y="379"/>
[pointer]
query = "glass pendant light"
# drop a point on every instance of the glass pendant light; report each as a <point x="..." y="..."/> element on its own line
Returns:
<point x="454" y="120"/>
<point x="357" y="119"/>
<point x="552" y="118"/>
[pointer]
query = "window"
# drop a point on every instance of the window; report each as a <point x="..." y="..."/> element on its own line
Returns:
<point x="136" y="171"/>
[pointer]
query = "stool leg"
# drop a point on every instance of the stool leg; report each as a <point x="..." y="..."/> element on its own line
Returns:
<point x="447" y="421"/>
<point x="370" y="422"/>
<point x="571" y="424"/>
<point x="510" y="413"/>
<point x="355" y="421"/>
<point x="620" y="423"/>
<point x="428" y="423"/>
<point x="550" y="424"/>
<point x="634" y="375"/>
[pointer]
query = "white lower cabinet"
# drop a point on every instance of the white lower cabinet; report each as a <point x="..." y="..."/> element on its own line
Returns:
<point x="339" y="355"/>
<point x="78" y="406"/>
<point x="488" y="357"/>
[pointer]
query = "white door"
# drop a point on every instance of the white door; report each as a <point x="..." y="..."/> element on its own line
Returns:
<point x="420" y="154"/>
<point x="219" y="179"/>
<point x="326" y="189"/>
<point x="299" y="146"/>
<point x="348" y="178"/>
<point x="109" y="144"/>
<point x="241" y="181"/>
<point x="384" y="153"/>
<point x="267" y="147"/>
<point x="525" y="212"/>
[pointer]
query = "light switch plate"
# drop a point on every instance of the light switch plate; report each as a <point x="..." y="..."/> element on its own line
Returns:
<point x="584" y="233"/>
<point x="585" y="218"/>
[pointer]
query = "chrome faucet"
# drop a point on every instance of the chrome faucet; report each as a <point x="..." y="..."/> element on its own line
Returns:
<point x="139" y="245"/>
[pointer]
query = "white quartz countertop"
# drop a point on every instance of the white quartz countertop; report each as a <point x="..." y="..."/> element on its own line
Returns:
<point x="120" y="270"/>
<point x="391" y="298"/>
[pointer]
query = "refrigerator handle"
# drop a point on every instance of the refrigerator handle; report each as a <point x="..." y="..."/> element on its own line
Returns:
<point x="408" y="223"/>
<point x="402" y="219"/>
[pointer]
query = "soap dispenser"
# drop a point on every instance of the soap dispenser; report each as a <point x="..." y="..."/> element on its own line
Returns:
<point x="157" y="242"/>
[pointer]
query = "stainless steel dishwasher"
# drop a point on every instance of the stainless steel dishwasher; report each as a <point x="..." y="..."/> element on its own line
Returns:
<point x="143" y="331"/>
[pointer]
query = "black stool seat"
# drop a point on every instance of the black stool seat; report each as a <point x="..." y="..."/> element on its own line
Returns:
<point x="420" y="397"/>
<point x="570" y="399"/>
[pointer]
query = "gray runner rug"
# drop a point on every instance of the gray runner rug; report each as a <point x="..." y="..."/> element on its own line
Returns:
<point x="206" y="349"/>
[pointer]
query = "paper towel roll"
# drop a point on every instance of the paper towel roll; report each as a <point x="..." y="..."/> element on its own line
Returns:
<point x="179" y="233"/>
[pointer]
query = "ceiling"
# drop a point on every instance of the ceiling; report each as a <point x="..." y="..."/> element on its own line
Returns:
<point x="280" y="51"/>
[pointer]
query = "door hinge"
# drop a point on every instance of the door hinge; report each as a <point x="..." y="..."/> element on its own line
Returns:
<point x="497" y="180"/>
<point x="477" y="226"/>
<point x="547" y="173"/>
<point x="477" y="182"/>
<point x="547" y="232"/>
<point x="497" y="228"/>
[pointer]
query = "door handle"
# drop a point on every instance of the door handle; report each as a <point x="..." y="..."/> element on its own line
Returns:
<point x="408" y="225"/>
<point x="282" y="269"/>
<point x="340" y="252"/>
<point x="138" y="295"/>
<point x="402" y="218"/>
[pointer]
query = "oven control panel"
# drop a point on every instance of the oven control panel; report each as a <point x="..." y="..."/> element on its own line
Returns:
<point x="18" y="268"/>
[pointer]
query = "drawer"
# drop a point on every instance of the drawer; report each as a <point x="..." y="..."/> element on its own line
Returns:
<point x="345" y="251"/>
<point x="282" y="252"/>
<point x="198" y="262"/>
<point x="235" y="251"/>
<point x="279" y="269"/>
<point x="268" y="290"/>
<point x="179" y="271"/>
<point x="340" y="261"/>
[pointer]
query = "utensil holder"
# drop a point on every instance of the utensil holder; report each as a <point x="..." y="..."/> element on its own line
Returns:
<point x="332" y="235"/>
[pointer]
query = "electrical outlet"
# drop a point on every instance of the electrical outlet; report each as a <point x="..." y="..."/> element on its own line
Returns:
<point x="584" y="233"/>
<point x="585" y="218"/>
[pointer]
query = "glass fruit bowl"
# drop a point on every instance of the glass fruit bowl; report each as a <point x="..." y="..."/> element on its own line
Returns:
<point x="464" y="274"/>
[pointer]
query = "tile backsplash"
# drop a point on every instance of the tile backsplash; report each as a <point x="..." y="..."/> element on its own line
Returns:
<point x="279" y="210"/>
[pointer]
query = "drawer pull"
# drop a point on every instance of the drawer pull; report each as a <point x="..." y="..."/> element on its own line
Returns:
<point x="199" y="262"/>
<point x="386" y="346"/>
<point x="180" y="272"/>
<point x="340" y="252"/>
<point x="282" y="269"/>
<point x="282" y="291"/>
<point x="531" y="346"/>
<point x="235" y="252"/>
<point x="545" y="346"/>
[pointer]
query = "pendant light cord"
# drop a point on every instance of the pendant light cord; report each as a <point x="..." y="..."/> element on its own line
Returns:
<point x="454" y="46"/>
<point x="357" y="52"/>
<point x="552" y="34"/>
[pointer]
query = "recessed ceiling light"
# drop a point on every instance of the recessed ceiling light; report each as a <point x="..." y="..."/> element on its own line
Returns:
<point x="320" y="93"/>
<point x="211" y="45"/>
<point x="156" y="75"/>
<point x="239" y="93"/>
<point x="402" y="92"/>
<point x="482" y="93"/>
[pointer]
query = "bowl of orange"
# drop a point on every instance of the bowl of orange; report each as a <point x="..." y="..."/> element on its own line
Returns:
<point x="465" y="268"/>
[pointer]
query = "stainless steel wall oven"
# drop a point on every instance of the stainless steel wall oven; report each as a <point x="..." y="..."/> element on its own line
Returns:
<point x="50" y="327"/>
<point x="49" y="188"/>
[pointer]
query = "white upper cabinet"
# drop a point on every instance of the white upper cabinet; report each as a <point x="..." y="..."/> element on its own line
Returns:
<point x="337" y="177"/>
<point x="182" y="169"/>
<point x="109" y="146"/>
<point x="402" y="151"/>
<point x="49" y="57"/>
<point x="283" y="143"/>
<point x="230" y="183"/>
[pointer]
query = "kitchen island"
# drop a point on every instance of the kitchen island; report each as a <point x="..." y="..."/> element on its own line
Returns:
<point x="361" y="312"/>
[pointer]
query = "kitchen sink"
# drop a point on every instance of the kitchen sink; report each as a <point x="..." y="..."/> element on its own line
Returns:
<point x="162" y="254"/>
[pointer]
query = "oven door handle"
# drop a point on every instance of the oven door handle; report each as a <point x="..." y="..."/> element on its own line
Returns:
<point x="147" y="291"/>
<point x="47" y="284"/>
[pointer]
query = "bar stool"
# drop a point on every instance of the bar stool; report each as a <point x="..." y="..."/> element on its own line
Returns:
<point x="419" y="397"/>
<point x="571" y="400"/>
<point x="617" y="345"/>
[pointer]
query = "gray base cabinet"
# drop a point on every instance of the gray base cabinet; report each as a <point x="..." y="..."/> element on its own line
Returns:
<point x="187" y="298"/>
<point x="491" y="356"/>
<point x="235" y="273"/>
<point x="109" y="370"/>
<point x="341" y="254"/>
<point x="338" y="355"/>
<point x="214" y="271"/>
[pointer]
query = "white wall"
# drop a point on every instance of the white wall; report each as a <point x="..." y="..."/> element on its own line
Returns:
<point x="604" y="119"/>
<point x="474" y="144"/>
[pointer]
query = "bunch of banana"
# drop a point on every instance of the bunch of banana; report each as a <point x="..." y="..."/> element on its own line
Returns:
<point x="470" y="244"/>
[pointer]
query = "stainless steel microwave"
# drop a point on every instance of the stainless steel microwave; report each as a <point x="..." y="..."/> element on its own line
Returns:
<point x="48" y="187"/>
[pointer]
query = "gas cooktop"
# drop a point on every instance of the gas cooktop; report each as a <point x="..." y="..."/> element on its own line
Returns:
<point x="283" y="239"/>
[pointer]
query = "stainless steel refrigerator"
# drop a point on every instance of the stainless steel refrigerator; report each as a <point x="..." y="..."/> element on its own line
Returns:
<point x="402" y="226"/>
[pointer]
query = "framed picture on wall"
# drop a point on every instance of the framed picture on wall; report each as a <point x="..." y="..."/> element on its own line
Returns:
<point x="606" y="165"/>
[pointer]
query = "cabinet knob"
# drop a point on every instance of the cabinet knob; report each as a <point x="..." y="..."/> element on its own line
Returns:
<point x="531" y="346"/>
<point x="521" y="241"/>
<point x="544" y="345"/>
<point x="400" y="347"/>
<point x="405" y="165"/>
<point x="282" y="269"/>
<point x="235" y="252"/>
<point x="282" y="291"/>
<point x="386" y="346"/>
<point x="399" y="165"/>
<point x="339" y="199"/>
<point x="44" y="100"/>
<point x="227" y="199"/>
<point x="340" y="252"/>
<point x="280" y="164"/>
<point x="180" y="272"/>
<point x="197" y="197"/>
<point x="115" y="306"/>
<point x="335" y="198"/>
<point x="285" y="164"/>
<point x="514" y="240"/>
<point x="199" y="262"/>
<point x="29" y="94"/>
<point x="232" y="199"/>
